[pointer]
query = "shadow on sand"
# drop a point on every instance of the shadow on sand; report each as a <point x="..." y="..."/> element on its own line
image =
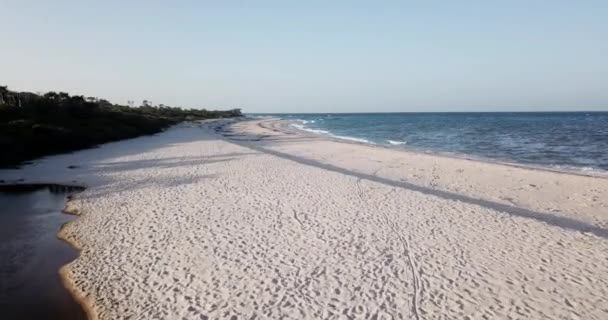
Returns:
<point x="548" y="218"/>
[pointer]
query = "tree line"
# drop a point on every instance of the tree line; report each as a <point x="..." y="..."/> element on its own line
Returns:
<point x="33" y="125"/>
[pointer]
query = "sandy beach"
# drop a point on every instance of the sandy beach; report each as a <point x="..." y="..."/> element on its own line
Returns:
<point x="257" y="220"/>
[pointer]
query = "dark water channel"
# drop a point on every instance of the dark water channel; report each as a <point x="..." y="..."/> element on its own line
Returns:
<point x="31" y="254"/>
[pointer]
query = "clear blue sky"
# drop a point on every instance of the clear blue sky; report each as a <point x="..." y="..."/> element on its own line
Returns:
<point x="314" y="56"/>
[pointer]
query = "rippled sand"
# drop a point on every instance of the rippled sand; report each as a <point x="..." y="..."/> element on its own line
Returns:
<point x="252" y="219"/>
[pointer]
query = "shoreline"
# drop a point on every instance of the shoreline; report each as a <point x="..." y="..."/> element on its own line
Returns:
<point x="579" y="171"/>
<point x="276" y="134"/>
<point x="191" y="224"/>
<point x="67" y="282"/>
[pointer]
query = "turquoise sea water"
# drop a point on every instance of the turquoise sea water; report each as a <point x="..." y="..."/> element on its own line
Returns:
<point x="566" y="140"/>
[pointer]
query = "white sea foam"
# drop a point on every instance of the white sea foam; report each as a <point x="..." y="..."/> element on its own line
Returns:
<point x="582" y="170"/>
<point x="396" y="143"/>
<point x="327" y="133"/>
<point x="305" y="121"/>
<point x="256" y="117"/>
<point x="302" y="127"/>
<point x="352" y="139"/>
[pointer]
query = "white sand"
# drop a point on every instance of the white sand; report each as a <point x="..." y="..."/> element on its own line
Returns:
<point x="188" y="225"/>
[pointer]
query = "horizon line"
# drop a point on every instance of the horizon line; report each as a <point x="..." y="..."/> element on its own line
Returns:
<point x="392" y="112"/>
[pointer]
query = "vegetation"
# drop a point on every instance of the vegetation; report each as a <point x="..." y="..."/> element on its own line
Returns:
<point x="33" y="125"/>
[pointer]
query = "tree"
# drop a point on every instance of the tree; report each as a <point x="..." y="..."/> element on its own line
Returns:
<point x="51" y="95"/>
<point x="63" y="95"/>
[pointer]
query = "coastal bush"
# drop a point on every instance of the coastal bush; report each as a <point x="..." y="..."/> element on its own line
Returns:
<point x="33" y="125"/>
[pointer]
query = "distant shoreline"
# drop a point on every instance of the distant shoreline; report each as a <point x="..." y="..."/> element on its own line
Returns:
<point x="286" y="126"/>
<point x="423" y="133"/>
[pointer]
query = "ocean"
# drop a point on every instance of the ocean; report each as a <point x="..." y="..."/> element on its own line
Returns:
<point x="559" y="140"/>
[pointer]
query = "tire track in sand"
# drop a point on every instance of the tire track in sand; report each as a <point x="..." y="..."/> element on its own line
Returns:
<point x="411" y="261"/>
<point x="302" y="225"/>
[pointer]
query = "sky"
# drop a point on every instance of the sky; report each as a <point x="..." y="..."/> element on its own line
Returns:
<point x="313" y="56"/>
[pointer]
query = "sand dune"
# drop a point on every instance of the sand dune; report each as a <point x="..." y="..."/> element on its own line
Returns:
<point x="268" y="223"/>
